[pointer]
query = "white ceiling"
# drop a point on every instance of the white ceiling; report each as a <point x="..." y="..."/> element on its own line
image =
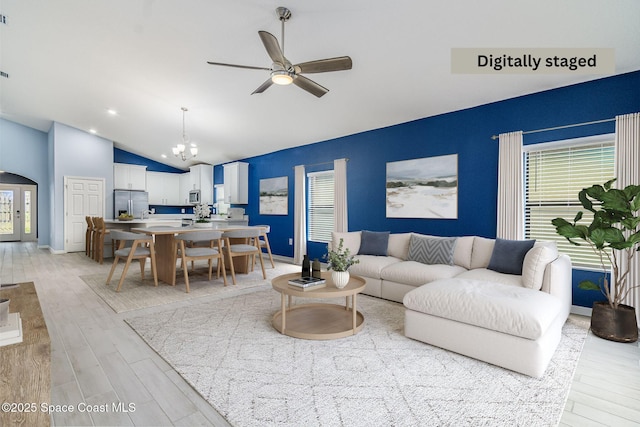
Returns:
<point x="71" y="60"/>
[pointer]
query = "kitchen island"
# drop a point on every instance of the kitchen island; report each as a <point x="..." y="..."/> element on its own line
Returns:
<point x="143" y="223"/>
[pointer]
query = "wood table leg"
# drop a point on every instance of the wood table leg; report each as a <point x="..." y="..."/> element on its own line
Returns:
<point x="166" y="258"/>
<point x="354" y="312"/>
<point x="284" y="311"/>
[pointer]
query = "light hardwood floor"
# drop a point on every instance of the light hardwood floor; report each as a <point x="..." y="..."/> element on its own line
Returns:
<point x="98" y="359"/>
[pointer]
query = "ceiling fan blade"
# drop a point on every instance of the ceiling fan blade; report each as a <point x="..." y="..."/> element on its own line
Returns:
<point x="273" y="48"/>
<point x="264" y="86"/>
<point x="310" y="86"/>
<point x="325" y="65"/>
<point x="249" y="67"/>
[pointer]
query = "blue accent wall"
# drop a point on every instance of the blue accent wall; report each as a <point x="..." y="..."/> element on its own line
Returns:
<point x="121" y="156"/>
<point x="466" y="133"/>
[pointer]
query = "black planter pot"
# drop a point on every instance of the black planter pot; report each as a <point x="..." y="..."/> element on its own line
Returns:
<point x="614" y="324"/>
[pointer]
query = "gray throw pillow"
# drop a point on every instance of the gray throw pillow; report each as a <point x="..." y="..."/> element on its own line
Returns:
<point x="508" y="255"/>
<point x="374" y="243"/>
<point x="431" y="250"/>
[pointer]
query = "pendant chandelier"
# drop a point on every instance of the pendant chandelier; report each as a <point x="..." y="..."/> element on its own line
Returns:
<point x="180" y="149"/>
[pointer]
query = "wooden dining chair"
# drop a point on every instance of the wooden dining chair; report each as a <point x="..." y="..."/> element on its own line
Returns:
<point x="141" y="248"/>
<point x="248" y="247"/>
<point x="263" y="242"/>
<point x="88" y="242"/>
<point x="197" y="251"/>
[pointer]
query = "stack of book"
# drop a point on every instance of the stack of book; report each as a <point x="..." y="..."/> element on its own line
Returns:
<point x="307" y="283"/>
<point x="11" y="332"/>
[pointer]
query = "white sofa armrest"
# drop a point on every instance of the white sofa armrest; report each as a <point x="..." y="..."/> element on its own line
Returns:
<point x="557" y="281"/>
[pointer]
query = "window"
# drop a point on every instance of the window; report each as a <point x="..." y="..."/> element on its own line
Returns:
<point x="320" y="206"/>
<point x="554" y="174"/>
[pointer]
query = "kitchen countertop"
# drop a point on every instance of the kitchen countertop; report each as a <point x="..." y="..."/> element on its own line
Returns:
<point x="143" y="221"/>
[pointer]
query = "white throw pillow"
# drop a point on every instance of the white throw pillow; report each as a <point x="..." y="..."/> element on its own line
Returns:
<point x="535" y="262"/>
<point x="399" y="245"/>
<point x="482" y="250"/>
<point x="351" y="240"/>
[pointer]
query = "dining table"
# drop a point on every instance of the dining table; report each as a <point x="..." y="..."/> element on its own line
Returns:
<point x="166" y="249"/>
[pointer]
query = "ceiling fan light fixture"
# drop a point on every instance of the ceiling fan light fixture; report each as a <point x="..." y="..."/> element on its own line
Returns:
<point x="281" y="77"/>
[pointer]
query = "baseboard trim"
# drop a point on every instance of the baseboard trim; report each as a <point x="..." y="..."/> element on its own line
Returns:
<point x="280" y="258"/>
<point x="57" y="251"/>
<point x="582" y="311"/>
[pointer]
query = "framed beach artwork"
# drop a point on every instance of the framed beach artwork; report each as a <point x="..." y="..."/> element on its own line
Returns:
<point x="274" y="196"/>
<point x="423" y="188"/>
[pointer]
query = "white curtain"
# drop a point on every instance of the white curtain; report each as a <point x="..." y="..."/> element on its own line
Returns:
<point x="628" y="172"/>
<point x="300" y="216"/>
<point x="510" y="199"/>
<point x="340" y="214"/>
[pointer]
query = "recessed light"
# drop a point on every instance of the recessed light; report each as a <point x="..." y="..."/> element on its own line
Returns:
<point x="93" y="131"/>
<point x="164" y="156"/>
<point x="112" y="111"/>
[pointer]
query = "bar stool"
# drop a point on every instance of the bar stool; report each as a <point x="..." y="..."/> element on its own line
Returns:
<point x="249" y="248"/>
<point x="88" y="243"/>
<point x="199" y="252"/>
<point x="99" y="238"/>
<point x="141" y="248"/>
<point x="94" y="238"/>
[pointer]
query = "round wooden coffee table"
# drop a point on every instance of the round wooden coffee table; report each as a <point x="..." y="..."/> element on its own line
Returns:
<point x="318" y="321"/>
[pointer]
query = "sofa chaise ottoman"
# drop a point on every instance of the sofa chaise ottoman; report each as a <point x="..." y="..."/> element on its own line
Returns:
<point x="460" y="294"/>
<point x="513" y="327"/>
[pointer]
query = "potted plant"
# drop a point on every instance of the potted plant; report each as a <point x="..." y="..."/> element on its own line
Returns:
<point x="614" y="234"/>
<point x="339" y="261"/>
<point x="202" y="213"/>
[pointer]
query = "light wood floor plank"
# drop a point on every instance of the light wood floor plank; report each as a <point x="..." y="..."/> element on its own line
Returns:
<point x="91" y="343"/>
<point x="170" y="398"/>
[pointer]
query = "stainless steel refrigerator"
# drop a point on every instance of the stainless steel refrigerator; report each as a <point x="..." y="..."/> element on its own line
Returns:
<point x="131" y="202"/>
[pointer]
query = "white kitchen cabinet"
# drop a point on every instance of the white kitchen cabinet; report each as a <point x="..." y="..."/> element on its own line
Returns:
<point x="164" y="188"/>
<point x="236" y="183"/>
<point x="185" y="187"/>
<point x="201" y="178"/>
<point x="129" y="177"/>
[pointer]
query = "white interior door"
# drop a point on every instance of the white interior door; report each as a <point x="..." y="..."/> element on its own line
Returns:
<point x="83" y="197"/>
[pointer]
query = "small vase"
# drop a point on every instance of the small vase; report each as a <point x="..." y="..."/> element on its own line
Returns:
<point x="340" y="278"/>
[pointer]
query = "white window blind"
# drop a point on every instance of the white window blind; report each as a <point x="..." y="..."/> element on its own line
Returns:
<point x="320" y="206"/>
<point x="553" y="178"/>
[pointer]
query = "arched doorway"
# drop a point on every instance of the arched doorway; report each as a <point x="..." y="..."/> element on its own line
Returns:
<point x="18" y="208"/>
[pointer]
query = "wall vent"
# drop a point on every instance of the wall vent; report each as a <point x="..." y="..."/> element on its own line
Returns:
<point x="3" y="74"/>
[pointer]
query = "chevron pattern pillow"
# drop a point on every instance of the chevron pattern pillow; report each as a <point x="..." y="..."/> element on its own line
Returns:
<point x="431" y="250"/>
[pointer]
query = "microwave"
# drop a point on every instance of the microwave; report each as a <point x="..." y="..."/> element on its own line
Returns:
<point x="194" y="197"/>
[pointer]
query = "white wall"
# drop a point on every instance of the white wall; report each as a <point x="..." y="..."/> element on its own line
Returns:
<point x="76" y="153"/>
<point x="23" y="151"/>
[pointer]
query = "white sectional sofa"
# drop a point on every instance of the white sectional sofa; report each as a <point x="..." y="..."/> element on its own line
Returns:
<point x="458" y="297"/>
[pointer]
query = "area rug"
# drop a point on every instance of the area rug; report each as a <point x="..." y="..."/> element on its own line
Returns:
<point x="254" y="376"/>
<point x="137" y="293"/>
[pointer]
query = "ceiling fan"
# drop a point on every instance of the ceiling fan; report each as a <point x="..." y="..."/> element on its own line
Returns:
<point x="283" y="72"/>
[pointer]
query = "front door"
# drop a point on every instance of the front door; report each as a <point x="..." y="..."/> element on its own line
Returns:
<point x="83" y="197"/>
<point x="18" y="213"/>
<point x="9" y="214"/>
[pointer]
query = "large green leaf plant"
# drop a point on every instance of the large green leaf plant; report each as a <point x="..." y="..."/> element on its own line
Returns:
<point x="614" y="235"/>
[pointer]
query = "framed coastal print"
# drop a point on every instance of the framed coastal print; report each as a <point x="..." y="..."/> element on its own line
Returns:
<point x="423" y="188"/>
<point x="274" y="196"/>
